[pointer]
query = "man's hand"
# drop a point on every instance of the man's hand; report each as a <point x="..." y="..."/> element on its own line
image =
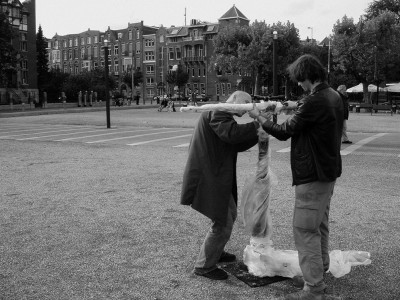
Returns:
<point x="290" y="105"/>
<point x="255" y="112"/>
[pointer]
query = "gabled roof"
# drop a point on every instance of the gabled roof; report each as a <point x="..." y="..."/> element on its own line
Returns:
<point x="233" y="13"/>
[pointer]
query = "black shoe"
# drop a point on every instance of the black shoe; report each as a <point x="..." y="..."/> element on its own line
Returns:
<point x="216" y="274"/>
<point x="227" y="257"/>
<point x="347" y="142"/>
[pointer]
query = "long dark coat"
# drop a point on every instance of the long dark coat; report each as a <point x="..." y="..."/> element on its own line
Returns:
<point x="210" y="173"/>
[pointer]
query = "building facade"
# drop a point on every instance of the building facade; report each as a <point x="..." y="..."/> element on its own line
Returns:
<point x="22" y="86"/>
<point x="154" y="51"/>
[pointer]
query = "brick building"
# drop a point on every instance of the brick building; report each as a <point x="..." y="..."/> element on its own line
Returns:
<point x="23" y="83"/>
<point x="154" y="51"/>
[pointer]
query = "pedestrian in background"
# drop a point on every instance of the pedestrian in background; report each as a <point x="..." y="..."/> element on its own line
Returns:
<point x="209" y="180"/>
<point x="315" y="130"/>
<point x="345" y="98"/>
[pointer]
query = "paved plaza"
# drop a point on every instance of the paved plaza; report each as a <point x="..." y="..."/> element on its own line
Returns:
<point x="93" y="213"/>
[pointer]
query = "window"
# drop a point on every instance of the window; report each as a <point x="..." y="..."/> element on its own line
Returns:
<point x="116" y="50"/>
<point x="123" y="48"/>
<point x="76" y="42"/>
<point x="96" y="39"/>
<point x="228" y="86"/>
<point x="149" y="43"/>
<point x="130" y="36"/>
<point x="178" y="53"/>
<point x="149" y="81"/>
<point x="202" y="89"/>
<point x="89" y="40"/>
<point x="137" y="34"/>
<point x="150" y="93"/>
<point x="161" y="39"/>
<point x="82" y="52"/>
<point x="70" y="54"/>
<point x="137" y="47"/>
<point x="150" y="69"/>
<point x="65" y="43"/>
<point x="95" y="51"/>
<point x="82" y="41"/>
<point x="65" y="55"/>
<point x="130" y="48"/>
<point x="200" y="51"/>
<point x="119" y="35"/>
<point x="89" y="51"/>
<point x="149" y="55"/>
<point x="223" y="89"/>
<point x="171" y="53"/>
<point x="70" y="42"/>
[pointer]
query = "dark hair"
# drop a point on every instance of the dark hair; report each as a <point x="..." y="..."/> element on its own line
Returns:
<point x="306" y="67"/>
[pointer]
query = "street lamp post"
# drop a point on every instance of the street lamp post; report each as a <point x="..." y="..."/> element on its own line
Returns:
<point x="312" y="33"/>
<point x="106" y="83"/>
<point x="274" y="69"/>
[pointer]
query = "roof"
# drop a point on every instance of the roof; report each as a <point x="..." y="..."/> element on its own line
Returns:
<point x="233" y="13"/>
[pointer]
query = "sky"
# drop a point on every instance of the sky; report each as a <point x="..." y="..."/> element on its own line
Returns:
<point x="313" y="18"/>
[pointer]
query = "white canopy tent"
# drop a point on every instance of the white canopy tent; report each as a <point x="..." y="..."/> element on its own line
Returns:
<point x="359" y="88"/>
<point x="395" y="88"/>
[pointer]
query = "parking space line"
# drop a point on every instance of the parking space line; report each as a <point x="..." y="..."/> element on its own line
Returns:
<point x="182" y="145"/>
<point x="46" y="136"/>
<point x="136" y="136"/>
<point x="284" y="150"/>
<point x="94" y="135"/>
<point x="163" y="139"/>
<point x="360" y="143"/>
<point x="35" y="129"/>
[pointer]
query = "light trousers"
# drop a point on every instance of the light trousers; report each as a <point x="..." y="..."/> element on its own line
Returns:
<point x="311" y="231"/>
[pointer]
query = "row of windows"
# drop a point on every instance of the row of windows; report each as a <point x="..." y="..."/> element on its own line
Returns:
<point x="74" y="42"/>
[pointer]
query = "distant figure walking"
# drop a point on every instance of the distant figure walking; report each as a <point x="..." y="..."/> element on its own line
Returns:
<point x="343" y="94"/>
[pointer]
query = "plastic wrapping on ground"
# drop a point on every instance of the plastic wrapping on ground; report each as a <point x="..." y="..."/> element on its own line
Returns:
<point x="263" y="260"/>
<point x="260" y="257"/>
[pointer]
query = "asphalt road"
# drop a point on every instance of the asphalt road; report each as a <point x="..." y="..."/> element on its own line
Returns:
<point x="93" y="213"/>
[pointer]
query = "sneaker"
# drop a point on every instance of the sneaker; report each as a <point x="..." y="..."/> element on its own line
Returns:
<point x="227" y="257"/>
<point x="347" y="142"/>
<point x="216" y="274"/>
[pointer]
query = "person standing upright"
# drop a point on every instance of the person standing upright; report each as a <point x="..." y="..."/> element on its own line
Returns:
<point x="209" y="179"/>
<point x="315" y="130"/>
<point x="345" y="98"/>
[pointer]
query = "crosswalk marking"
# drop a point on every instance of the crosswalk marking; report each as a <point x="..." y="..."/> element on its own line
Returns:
<point x="359" y="144"/>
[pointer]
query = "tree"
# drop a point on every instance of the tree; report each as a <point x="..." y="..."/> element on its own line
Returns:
<point x="368" y="49"/>
<point x="8" y="55"/>
<point x="178" y="77"/>
<point x="249" y="49"/>
<point x="41" y="59"/>
<point x="137" y="78"/>
<point x="376" y="7"/>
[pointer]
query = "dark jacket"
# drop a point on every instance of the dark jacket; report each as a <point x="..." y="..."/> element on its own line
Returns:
<point x="316" y="130"/>
<point x="345" y="100"/>
<point x="210" y="174"/>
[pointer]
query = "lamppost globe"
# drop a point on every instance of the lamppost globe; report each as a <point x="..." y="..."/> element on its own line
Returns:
<point x="275" y="34"/>
<point x="175" y="67"/>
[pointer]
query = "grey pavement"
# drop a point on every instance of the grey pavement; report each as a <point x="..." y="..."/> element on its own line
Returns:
<point x="103" y="221"/>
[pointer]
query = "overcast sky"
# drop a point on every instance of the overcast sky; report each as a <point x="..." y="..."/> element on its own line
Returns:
<point x="313" y="18"/>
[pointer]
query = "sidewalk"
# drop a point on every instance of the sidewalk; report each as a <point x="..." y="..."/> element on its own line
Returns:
<point x="61" y="108"/>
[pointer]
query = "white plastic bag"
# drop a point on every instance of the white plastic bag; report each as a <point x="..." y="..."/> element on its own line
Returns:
<point x="263" y="260"/>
